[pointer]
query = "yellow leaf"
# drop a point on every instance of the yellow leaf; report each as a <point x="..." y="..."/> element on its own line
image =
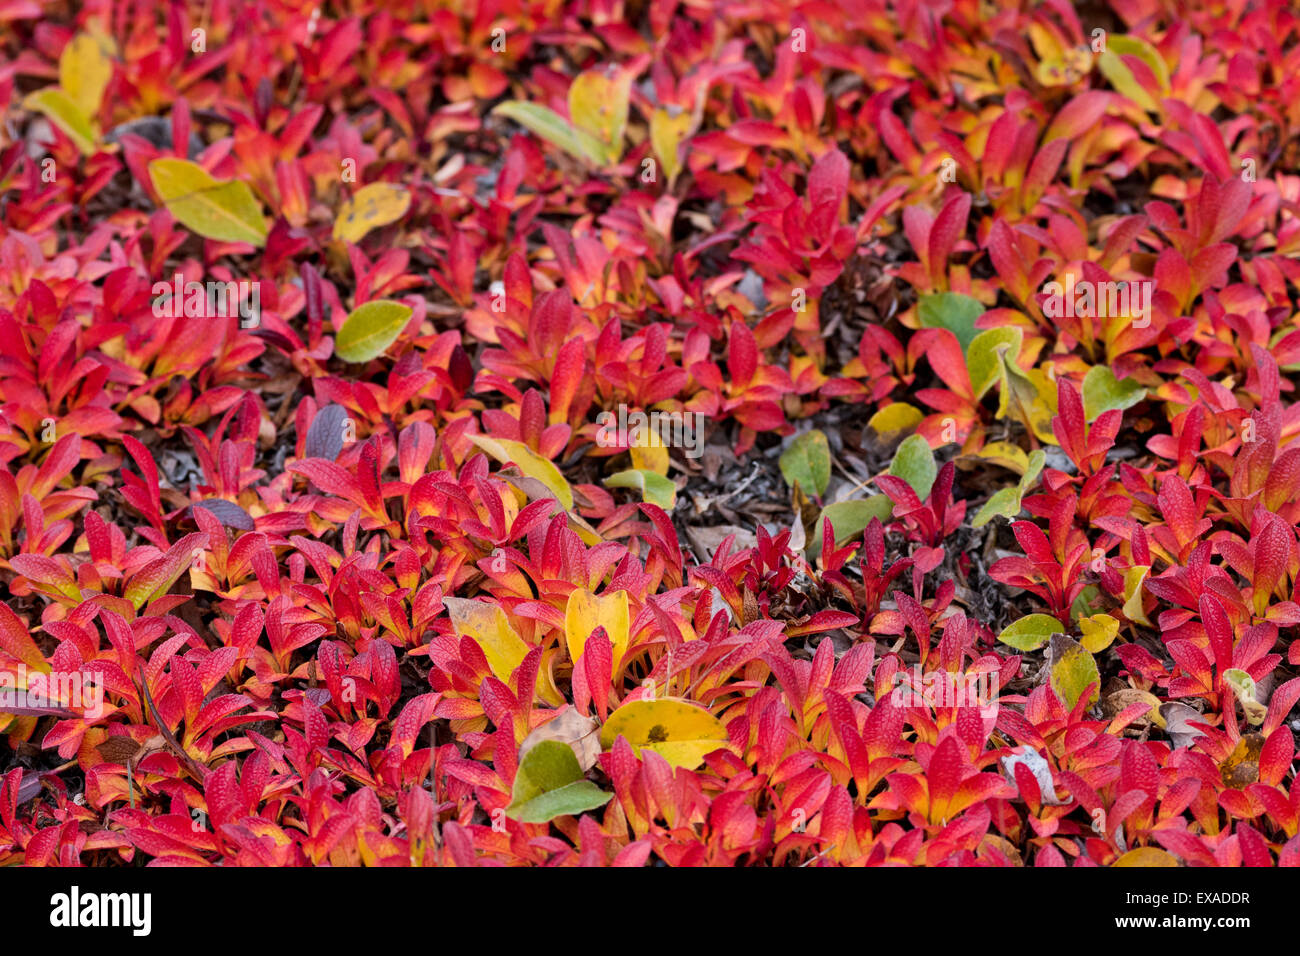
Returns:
<point x="59" y="109"/>
<point x="1004" y="453"/>
<point x="1073" y="670"/>
<point x="679" y="732"/>
<point x="372" y="206"/>
<point x="1241" y="767"/>
<point x="895" y="419"/>
<point x="506" y="450"/>
<point x="1146" y="856"/>
<point x="84" y="72"/>
<point x="1099" y="631"/>
<point x="1065" y="68"/>
<point x="666" y="134"/>
<point x="1045" y="43"/>
<point x="487" y="625"/>
<point x="224" y="210"/>
<point x="1027" y="396"/>
<point x="650" y="458"/>
<point x="587" y="611"/>
<point x="583" y="530"/>
<point x="1133" y="578"/>
<point x="598" y="106"/>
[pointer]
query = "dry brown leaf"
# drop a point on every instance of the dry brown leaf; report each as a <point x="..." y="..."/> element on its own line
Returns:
<point x="705" y="541"/>
<point x="1115" y="702"/>
<point x="119" y="749"/>
<point x="1178" y="718"/>
<point x="570" y="727"/>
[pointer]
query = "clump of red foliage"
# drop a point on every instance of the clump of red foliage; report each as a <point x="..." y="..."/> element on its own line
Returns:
<point x="284" y="684"/>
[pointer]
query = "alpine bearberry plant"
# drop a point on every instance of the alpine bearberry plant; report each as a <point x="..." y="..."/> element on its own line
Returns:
<point x="759" y="433"/>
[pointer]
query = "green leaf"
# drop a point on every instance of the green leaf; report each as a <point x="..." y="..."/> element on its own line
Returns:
<point x="225" y="210"/>
<point x="544" y="768"/>
<point x="654" y="487"/>
<point x="1243" y="685"/>
<point x="60" y="110"/>
<point x="982" y="358"/>
<point x="1102" y="392"/>
<point x="850" y="518"/>
<point x="1088" y="601"/>
<point x="568" y="801"/>
<point x="1006" y="502"/>
<point x="1073" y="670"/>
<point x="808" y="461"/>
<point x="1037" y="458"/>
<point x="554" y="128"/>
<point x="549" y="784"/>
<point x="370" y="329"/>
<point x="914" y="463"/>
<point x="953" y="311"/>
<point x="1031" y="632"/>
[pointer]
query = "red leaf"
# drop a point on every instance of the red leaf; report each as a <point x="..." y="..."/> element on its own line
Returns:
<point x="742" y="360"/>
<point x="17" y="642"/>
